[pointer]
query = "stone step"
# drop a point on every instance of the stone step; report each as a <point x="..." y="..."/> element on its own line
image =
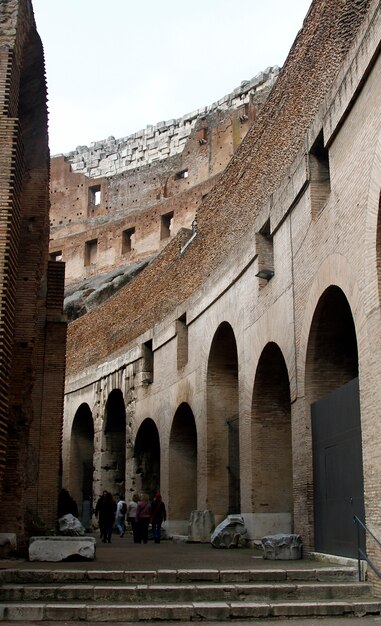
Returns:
<point x="278" y="574"/>
<point x="247" y="592"/>
<point x="212" y="611"/>
<point x="31" y="595"/>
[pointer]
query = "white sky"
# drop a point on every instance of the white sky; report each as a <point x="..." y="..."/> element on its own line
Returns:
<point x="115" y="66"/>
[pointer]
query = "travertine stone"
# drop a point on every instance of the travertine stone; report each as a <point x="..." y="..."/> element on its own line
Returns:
<point x="61" y="548"/>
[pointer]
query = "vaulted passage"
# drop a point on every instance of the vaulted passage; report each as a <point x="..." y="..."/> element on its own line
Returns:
<point x="271" y="435"/>
<point x="333" y="392"/>
<point x="182" y="464"/>
<point x="147" y="457"/>
<point x="81" y="456"/>
<point x="223" y="472"/>
<point x="114" y="444"/>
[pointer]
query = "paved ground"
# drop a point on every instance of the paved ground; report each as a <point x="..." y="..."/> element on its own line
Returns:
<point x="122" y="553"/>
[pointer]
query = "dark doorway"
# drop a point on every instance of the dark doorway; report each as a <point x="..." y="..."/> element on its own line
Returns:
<point x="182" y="464"/>
<point x="147" y="456"/>
<point x="81" y="456"/>
<point x="223" y="465"/>
<point x="114" y="447"/>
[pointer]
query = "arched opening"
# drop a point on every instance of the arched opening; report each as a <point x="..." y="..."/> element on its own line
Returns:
<point x="271" y="440"/>
<point x="182" y="465"/>
<point x="114" y="448"/>
<point x="147" y="457"/>
<point x="332" y="391"/>
<point x="223" y="472"/>
<point x="81" y="458"/>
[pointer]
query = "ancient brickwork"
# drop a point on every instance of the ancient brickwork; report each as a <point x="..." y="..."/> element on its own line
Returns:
<point x="32" y="328"/>
<point x="121" y="201"/>
<point x="223" y="370"/>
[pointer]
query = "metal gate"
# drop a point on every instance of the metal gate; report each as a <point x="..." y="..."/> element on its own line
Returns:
<point x="338" y="470"/>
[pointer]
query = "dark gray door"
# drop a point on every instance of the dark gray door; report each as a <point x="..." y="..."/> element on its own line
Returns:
<point x="338" y="471"/>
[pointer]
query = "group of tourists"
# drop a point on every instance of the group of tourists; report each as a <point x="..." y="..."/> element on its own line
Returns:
<point x="140" y="512"/>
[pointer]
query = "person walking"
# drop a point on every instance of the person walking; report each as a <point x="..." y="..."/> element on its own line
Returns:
<point x="131" y="514"/>
<point x="142" y="518"/>
<point x="158" y="516"/>
<point x="121" y="509"/>
<point x="105" y="509"/>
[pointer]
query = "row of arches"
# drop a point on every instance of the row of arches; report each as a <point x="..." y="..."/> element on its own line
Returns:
<point x="331" y="367"/>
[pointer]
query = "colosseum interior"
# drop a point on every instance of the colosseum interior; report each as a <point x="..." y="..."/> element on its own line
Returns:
<point x="223" y="286"/>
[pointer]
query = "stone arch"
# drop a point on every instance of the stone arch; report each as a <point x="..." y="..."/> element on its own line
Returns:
<point x="81" y="456"/>
<point x="113" y="467"/>
<point x="182" y="464"/>
<point x="332" y="392"/>
<point x="147" y="457"/>
<point x="272" y="482"/>
<point x="223" y="472"/>
<point x="332" y="356"/>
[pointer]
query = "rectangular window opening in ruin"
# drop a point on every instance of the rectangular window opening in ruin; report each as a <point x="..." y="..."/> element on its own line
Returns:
<point x="265" y="254"/>
<point x="320" y="179"/>
<point x="182" y="341"/>
<point x="147" y="365"/>
<point x="91" y="252"/>
<point x="94" y="195"/>
<point x="201" y="136"/>
<point x="182" y="174"/>
<point x="56" y="256"/>
<point x="166" y="225"/>
<point x="128" y="237"/>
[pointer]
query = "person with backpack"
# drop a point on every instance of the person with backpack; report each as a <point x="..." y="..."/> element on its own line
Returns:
<point x="121" y="510"/>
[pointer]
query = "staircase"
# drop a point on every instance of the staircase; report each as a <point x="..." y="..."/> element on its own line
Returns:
<point x="182" y="594"/>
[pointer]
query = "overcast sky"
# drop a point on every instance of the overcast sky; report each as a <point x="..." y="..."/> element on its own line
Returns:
<point x="115" y="66"/>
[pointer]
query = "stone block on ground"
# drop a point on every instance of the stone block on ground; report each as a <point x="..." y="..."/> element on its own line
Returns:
<point x="8" y="544"/>
<point x="231" y="533"/>
<point x="70" y="525"/>
<point x="201" y="526"/>
<point x="281" y="546"/>
<point x="56" y="549"/>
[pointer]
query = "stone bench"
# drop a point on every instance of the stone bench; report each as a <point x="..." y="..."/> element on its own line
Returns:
<point x="61" y="548"/>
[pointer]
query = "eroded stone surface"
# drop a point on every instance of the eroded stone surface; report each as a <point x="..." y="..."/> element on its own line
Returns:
<point x="282" y="546"/>
<point x="230" y="533"/>
<point x="56" y="549"/>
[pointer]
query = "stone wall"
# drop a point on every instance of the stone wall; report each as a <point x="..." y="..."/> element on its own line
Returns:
<point x="199" y="331"/>
<point x="127" y="208"/>
<point x="32" y="328"/>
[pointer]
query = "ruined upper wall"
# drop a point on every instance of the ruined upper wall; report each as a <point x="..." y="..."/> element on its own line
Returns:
<point x="254" y="174"/>
<point x="165" y="139"/>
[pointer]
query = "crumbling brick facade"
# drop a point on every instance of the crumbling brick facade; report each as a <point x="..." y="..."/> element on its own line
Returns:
<point x="32" y="327"/>
<point x="119" y="202"/>
<point x="219" y="372"/>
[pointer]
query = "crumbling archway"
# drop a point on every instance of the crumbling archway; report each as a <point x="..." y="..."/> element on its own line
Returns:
<point x="81" y="456"/>
<point x="332" y="390"/>
<point x="223" y="472"/>
<point x="147" y="457"/>
<point x="182" y="497"/>
<point x="114" y="444"/>
<point x="271" y="437"/>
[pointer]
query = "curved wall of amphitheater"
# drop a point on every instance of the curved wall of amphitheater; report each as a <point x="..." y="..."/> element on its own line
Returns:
<point x="236" y="393"/>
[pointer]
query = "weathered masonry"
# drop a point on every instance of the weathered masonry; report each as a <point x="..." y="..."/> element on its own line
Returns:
<point x="240" y="371"/>
<point x="118" y="203"/>
<point x="32" y="327"/>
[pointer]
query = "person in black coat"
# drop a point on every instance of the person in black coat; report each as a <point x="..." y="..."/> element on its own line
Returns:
<point x="158" y="516"/>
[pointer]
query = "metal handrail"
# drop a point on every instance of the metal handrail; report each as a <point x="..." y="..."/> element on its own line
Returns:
<point x="360" y="551"/>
